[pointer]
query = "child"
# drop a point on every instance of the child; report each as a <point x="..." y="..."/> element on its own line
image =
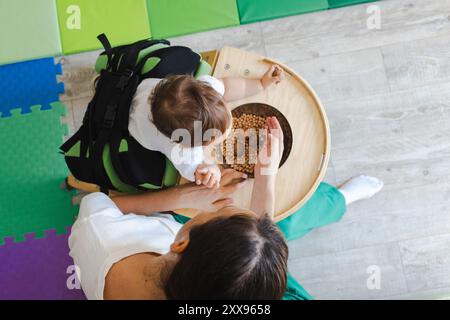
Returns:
<point x="160" y="107"/>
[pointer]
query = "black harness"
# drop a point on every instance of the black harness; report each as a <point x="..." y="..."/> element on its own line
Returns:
<point x="105" y="123"/>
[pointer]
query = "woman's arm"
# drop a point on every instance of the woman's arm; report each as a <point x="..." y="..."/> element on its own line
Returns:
<point x="239" y="88"/>
<point x="185" y="196"/>
<point x="146" y="203"/>
<point x="263" y="194"/>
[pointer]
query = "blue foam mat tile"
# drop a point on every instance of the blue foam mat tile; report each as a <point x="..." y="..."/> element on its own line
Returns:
<point x="29" y="83"/>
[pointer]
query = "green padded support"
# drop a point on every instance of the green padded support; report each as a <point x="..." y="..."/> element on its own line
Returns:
<point x="259" y="10"/>
<point x="150" y="64"/>
<point x="342" y="3"/>
<point x="29" y="30"/>
<point x="112" y="175"/>
<point x="123" y="147"/>
<point x="102" y="60"/>
<point x="178" y="17"/>
<point x="74" y="151"/>
<point x="150" y="186"/>
<point x="31" y="171"/>
<point x="171" y="175"/>
<point x="81" y="21"/>
<point x="203" y="69"/>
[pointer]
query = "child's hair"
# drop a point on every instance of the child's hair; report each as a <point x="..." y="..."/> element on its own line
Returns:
<point x="179" y="100"/>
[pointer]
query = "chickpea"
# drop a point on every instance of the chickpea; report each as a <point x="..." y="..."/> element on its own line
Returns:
<point x="239" y="156"/>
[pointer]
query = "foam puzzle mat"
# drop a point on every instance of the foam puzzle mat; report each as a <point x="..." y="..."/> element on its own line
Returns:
<point x="178" y="17"/>
<point x="38" y="269"/>
<point x="80" y="21"/>
<point x="29" y="83"/>
<point x="32" y="171"/>
<point x="29" y="30"/>
<point x="259" y="10"/>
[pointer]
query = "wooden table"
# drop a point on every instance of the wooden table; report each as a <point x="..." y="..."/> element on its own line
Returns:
<point x="305" y="168"/>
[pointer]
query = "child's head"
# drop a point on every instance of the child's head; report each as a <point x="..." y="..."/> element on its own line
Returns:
<point x="178" y="102"/>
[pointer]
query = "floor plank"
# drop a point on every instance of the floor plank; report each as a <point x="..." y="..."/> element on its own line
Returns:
<point x="329" y="32"/>
<point x="345" y="76"/>
<point x="426" y="262"/>
<point x="415" y="64"/>
<point x="344" y="275"/>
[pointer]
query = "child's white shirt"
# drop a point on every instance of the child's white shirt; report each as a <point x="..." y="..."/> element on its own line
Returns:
<point x="141" y="128"/>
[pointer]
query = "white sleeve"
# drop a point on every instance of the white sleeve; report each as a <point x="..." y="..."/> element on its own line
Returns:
<point x="213" y="82"/>
<point x="97" y="202"/>
<point x="185" y="160"/>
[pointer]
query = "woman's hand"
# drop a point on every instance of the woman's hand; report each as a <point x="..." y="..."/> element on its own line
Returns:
<point x="185" y="196"/>
<point x="269" y="156"/>
<point x="274" y="75"/>
<point x="210" y="200"/>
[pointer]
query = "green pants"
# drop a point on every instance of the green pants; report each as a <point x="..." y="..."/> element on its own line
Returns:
<point x="327" y="205"/>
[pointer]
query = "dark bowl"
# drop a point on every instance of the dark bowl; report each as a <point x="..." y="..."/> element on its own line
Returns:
<point x="265" y="110"/>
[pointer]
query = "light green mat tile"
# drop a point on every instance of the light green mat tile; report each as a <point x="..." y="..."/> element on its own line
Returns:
<point x="29" y="30"/>
<point x="31" y="171"/>
<point x="342" y="3"/>
<point x="259" y="10"/>
<point x="80" y="21"/>
<point x="170" y="18"/>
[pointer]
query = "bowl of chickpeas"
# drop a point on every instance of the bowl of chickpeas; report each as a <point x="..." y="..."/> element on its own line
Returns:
<point x="240" y="150"/>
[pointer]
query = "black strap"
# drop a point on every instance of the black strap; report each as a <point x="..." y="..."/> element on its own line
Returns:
<point x="107" y="45"/>
<point x="133" y="53"/>
<point x="141" y="63"/>
<point x="96" y="159"/>
<point x="121" y="130"/>
<point x="81" y="136"/>
<point x="114" y="146"/>
<point x="70" y="142"/>
<point x="118" y="54"/>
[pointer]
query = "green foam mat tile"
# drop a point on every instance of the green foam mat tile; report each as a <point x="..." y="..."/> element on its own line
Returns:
<point x="259" y="10"/>
<point x="342" y="3"/>
<point x="178" y="17"/>
<point x="31" y="171"/>
<point x="29" y="30"/>
<point x="80" y="21"/>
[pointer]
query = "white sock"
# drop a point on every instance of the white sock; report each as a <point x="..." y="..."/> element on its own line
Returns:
<point x="360" y="187"/>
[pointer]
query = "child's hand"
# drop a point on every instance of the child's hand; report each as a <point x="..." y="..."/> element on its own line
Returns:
<point x="208" y="175"/>
<point x="274" y="75"/>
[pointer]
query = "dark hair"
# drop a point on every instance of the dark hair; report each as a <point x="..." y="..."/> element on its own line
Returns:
<point x="179" y="100"/>
<point x="237" y="257"/>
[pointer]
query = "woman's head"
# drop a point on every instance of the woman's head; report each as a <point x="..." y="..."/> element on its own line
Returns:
<point x="182" y="102"/>
<point x="229" y="256"/>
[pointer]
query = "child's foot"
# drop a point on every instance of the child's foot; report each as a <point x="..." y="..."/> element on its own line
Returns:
<point x="360" y="187"/>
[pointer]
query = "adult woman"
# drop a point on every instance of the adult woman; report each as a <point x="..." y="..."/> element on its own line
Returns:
<point x="230" y="254"/>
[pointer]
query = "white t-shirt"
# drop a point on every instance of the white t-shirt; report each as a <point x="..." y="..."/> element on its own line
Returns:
<point x="102" y="235"/>
<point x="145" y="132"/>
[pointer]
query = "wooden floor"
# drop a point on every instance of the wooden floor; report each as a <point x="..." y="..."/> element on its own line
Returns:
<point x="387" y="95"/>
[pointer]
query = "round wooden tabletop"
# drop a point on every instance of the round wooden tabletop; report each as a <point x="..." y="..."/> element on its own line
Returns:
<point x="305" y="168"/>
